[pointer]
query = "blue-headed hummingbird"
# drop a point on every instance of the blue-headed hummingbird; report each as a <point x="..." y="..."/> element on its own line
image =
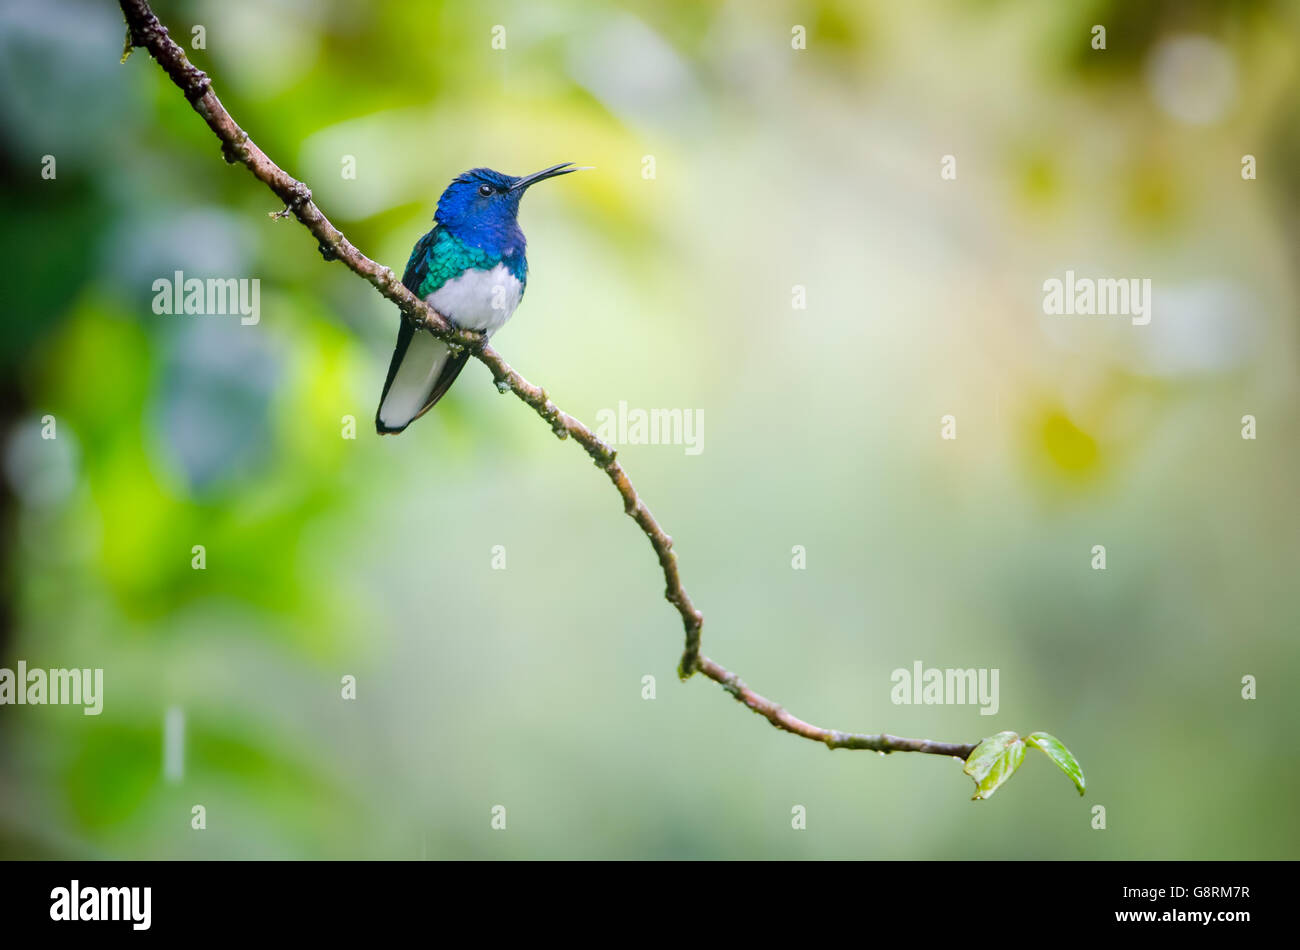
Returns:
<point x="470" y="268"/>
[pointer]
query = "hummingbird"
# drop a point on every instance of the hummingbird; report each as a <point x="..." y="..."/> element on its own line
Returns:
<point x="470" y="268"/>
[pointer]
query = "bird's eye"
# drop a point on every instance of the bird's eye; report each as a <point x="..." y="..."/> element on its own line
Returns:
<point x="485" y="190"/>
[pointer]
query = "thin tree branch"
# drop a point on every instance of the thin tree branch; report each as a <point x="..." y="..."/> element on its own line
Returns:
<point x="145" y="30"/>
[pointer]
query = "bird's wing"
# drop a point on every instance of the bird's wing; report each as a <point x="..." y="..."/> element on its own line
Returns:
<point x="422" y="368"/>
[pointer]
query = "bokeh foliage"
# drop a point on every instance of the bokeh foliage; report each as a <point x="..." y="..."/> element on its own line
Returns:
<point x="329" y="557"/>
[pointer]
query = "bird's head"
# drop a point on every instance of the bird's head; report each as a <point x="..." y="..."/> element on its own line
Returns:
<point x="481" y="206"/>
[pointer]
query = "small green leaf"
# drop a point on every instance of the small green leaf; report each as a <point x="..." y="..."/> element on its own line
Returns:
<point x="994" y="761"/>
<point x="1059" y="754"/>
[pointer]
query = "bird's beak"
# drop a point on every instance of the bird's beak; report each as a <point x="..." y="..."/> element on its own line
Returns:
<point x="563" y="168"/>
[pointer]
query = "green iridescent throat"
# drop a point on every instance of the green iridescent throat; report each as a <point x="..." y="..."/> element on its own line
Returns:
<point x="447" y="257"/>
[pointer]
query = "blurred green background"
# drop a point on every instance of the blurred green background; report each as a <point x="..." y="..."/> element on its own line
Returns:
<point x="774" y="167"/>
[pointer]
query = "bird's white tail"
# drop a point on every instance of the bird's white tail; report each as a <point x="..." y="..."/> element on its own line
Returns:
<point x="422" y="370"/>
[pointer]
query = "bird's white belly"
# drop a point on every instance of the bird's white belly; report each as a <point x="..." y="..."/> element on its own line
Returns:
<point x="480" y="300"/>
